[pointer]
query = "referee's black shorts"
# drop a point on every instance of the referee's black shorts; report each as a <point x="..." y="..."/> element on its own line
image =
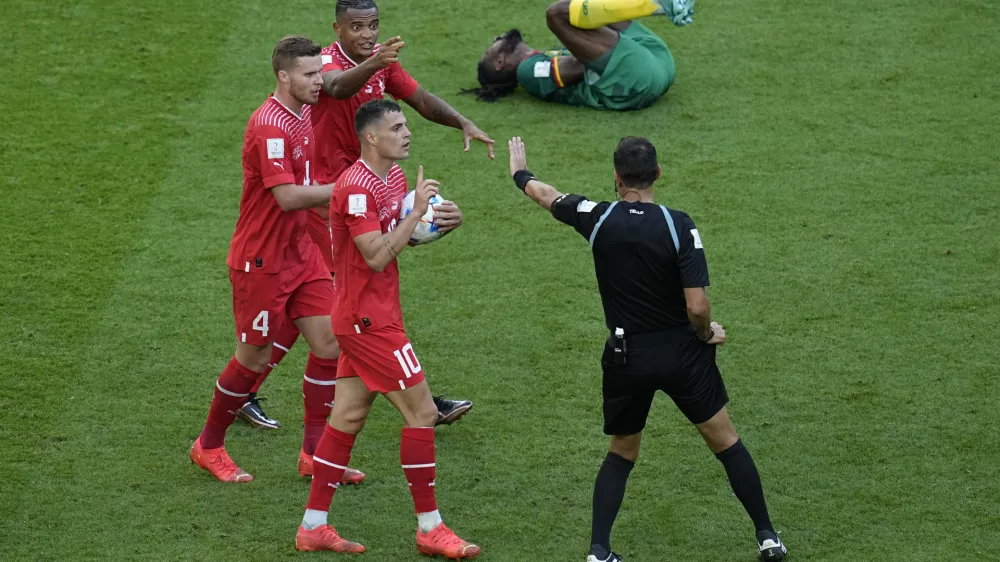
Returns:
<point x="676" y="362"/>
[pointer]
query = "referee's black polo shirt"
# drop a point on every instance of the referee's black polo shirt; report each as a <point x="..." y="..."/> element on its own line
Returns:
<point x="645" y="255"/>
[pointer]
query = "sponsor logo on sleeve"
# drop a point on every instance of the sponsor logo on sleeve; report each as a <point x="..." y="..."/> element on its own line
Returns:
<point x="585" y="206"/>
<point x="543" y="69"/>
<point x="275" y="148"/>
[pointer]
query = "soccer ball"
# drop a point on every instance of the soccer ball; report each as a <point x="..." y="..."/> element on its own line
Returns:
<point x="426" y="231"/>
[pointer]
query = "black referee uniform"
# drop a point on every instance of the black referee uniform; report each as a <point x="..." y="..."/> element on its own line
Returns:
<point x="645" y="255"/>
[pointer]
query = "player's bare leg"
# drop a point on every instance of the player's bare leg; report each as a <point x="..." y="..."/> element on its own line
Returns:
<point x="319" y="386"/>
<point x="416" y="454"/>
<point x="333" y="453"/>
<point x="231" y="390"/>
<point x="722" y="438"/>
<point x="251" y="412"/>
<point x="609" y="491"/>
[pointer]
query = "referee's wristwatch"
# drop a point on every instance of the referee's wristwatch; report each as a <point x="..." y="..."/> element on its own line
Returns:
<point x="711" y="334"/>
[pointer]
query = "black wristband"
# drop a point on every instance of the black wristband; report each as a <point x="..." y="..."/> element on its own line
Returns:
<point x="522" y="177"/>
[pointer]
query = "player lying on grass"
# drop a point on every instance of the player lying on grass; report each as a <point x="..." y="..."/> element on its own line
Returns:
<point x="376" y="354"/>
<point x="356" y="69"/>
<point x="608" y="62"/>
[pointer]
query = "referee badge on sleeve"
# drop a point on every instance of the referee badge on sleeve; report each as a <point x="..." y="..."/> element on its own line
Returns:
<point x="697" y="239"/>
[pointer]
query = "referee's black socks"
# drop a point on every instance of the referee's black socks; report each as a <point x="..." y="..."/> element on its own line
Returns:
<point x="745" y="480"/>
<point x="609" y="491"/>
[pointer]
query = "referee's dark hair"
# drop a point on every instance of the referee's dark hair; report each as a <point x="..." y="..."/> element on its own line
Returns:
<point x="635" y="162"/>
<point x="344" y="5"/>
<point x="373" y="111"/>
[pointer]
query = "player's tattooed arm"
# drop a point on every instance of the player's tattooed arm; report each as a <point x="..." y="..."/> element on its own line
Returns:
<point x="435" y="109"/>
<point x="379" y="249"/>
<point x="293" y="197"/>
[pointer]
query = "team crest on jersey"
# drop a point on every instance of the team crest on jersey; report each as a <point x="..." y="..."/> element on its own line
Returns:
<point x="297" y="153"/>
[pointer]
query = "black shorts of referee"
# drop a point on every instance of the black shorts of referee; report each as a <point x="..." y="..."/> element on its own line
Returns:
<point x="673" y="361"/>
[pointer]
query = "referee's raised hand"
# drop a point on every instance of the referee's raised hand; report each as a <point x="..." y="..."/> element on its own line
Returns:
<point x="518" y="159"/>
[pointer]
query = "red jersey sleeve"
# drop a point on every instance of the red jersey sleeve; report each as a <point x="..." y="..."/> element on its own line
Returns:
<point x="399" y="84"/>
<point x="357" y="206"/>
<point x="274" y="155"/>
<point x="330" y="63"/>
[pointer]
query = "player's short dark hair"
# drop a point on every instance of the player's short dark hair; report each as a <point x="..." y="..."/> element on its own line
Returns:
<point x="344" y="5"/>
<point x="371" y="112"/>
<point x="635" y="162"/>
<point x="290" y="49"/>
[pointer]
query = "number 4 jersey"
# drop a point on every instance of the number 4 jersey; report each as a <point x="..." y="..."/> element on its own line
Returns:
<point x="277" y="150"/>
<point x="363" y="202"/>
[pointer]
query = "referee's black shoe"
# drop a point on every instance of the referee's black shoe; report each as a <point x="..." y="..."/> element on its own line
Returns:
<point x="770" y="547"/>
<point x="450" y="411"/>
<point x="255" y="416"/>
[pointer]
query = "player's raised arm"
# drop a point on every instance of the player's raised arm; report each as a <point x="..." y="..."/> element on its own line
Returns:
<point x="435" y="109"/>
<point x="343" y="84"/>
<point x="540" y="192"/>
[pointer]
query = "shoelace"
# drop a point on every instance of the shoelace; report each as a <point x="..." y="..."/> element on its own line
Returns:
<point x="450" y="538"/>
<point x="226" y="463"/>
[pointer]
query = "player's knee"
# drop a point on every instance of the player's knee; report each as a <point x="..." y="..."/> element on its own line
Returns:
<point x="424" y="415"/>
<point x="626" y="446"/>
<point x="557" y="14"/>
<point x="349" y="420"/>
<point x="253" y="357"/>
<point x="327" y="348"/>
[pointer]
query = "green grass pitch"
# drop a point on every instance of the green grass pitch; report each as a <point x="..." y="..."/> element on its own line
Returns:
<point x="840" y="159"/>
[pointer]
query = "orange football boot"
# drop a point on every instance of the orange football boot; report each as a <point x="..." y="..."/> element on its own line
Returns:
<point x="445" y="542"/>
<point x="325" y="538"/>
<point x="351" y="476"/>
<point x="218" y="463"/>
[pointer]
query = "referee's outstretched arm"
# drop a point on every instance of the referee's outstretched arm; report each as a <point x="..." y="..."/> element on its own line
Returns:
<point x="540" y="192"/>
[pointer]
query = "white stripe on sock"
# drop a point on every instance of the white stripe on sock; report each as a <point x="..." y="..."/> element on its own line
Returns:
<point x="229" y="392"/>
<point x="281" y="347"/>
<point x="319" y="382"/>
<point x="419" y="465"/>
<point x="328" y="463"/>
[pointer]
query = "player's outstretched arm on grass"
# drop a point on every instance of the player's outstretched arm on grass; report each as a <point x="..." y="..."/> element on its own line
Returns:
<point x="540" y="192"/>
<point x="294" y="197"/>
<point x="343" y="84"/>
<point x="435" y="109"/>
<point x="380" y="249"/>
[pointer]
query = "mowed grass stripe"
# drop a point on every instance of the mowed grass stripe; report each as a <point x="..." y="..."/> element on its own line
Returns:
<point x="169" y="134"/>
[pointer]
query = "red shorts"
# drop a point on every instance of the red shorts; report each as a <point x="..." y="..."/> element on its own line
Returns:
<point x="262" y="302"/>
<point x="383" y="358"/>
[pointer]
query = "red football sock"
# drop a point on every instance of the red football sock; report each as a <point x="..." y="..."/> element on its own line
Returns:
<point x="330" y="461"/>
<point x="319" y="386"/>
<point x="230" y="394"/>
<point x="416" y="453"/>
<point x="283" y="342"/>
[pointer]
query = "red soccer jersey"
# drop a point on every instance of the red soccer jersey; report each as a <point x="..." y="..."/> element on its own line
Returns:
<point x="364" y="299"/>
<point x="333" y="119"/>
<point x="333" y="122"/>
<point x="276" y="151"/>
